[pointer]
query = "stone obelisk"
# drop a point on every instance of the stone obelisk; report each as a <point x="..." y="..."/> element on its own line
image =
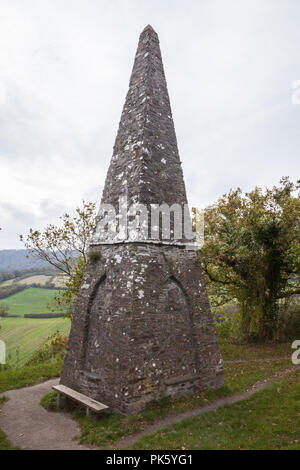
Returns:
<point x="142" y="326"/>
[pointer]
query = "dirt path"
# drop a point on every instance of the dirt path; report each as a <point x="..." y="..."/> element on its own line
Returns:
<point x="29" y="426"/>
<point x="129" y="441"/>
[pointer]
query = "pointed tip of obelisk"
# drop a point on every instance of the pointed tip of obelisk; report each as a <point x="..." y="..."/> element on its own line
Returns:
<point x="149" y="28"/>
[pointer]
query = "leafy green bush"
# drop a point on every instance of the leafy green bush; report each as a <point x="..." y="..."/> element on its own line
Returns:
<point x="251" y="254"/>
<point x="289" y="321"/>
<point x="228" y="326"/>
<point x="54" y="349"/>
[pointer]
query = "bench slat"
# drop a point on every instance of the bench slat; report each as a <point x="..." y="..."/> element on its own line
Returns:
<point x="83" y="399"/>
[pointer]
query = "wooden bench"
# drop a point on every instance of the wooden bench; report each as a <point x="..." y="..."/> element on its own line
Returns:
<point x="92" y="406"/>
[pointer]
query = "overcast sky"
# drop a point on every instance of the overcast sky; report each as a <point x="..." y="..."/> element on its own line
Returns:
<point x="64" y="73"/>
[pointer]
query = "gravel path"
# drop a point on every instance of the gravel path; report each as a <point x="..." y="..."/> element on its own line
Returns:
<point x="29" y="426"/>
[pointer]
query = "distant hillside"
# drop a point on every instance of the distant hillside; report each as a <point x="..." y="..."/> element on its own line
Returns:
<point x="16" y="259"/>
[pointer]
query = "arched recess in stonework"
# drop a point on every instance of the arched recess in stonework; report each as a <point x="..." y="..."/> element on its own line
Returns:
<point x="94" y="320"/>
<point x="178" y="351"/>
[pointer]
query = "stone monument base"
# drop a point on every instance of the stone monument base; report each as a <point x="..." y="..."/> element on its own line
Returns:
<point x="142" y="327"/>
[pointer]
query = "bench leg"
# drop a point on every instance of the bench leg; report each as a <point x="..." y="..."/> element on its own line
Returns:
<point x="91" y="414"/>
<point x="61" y="400"/>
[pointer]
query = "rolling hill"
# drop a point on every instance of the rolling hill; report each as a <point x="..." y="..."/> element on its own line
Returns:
<point x="17" y="259"/>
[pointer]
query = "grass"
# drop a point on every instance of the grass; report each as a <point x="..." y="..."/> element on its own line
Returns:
<point x="23" y="336"/>
<point x="240" y="377"/>
<point x="11" y="379"/>
<point x="111" y="427"/>
<point x="267" y="420"/>
<point x="31" y="300"/>
<point x="257" y="351"/>
<point x="49" y="401"/>
<point x="8" y="282"/>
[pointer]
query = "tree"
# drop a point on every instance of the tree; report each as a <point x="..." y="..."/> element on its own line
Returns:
<point x="67" y="298"/>
<point x="66" y="248"/>
<point x="4" y="309"/>
<point x="252" y="253"/>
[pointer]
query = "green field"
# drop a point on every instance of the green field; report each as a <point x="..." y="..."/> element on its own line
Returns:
<point x="9" y="282"/>
<point x="26" y="335"/>
<point x="31" y="300"/>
